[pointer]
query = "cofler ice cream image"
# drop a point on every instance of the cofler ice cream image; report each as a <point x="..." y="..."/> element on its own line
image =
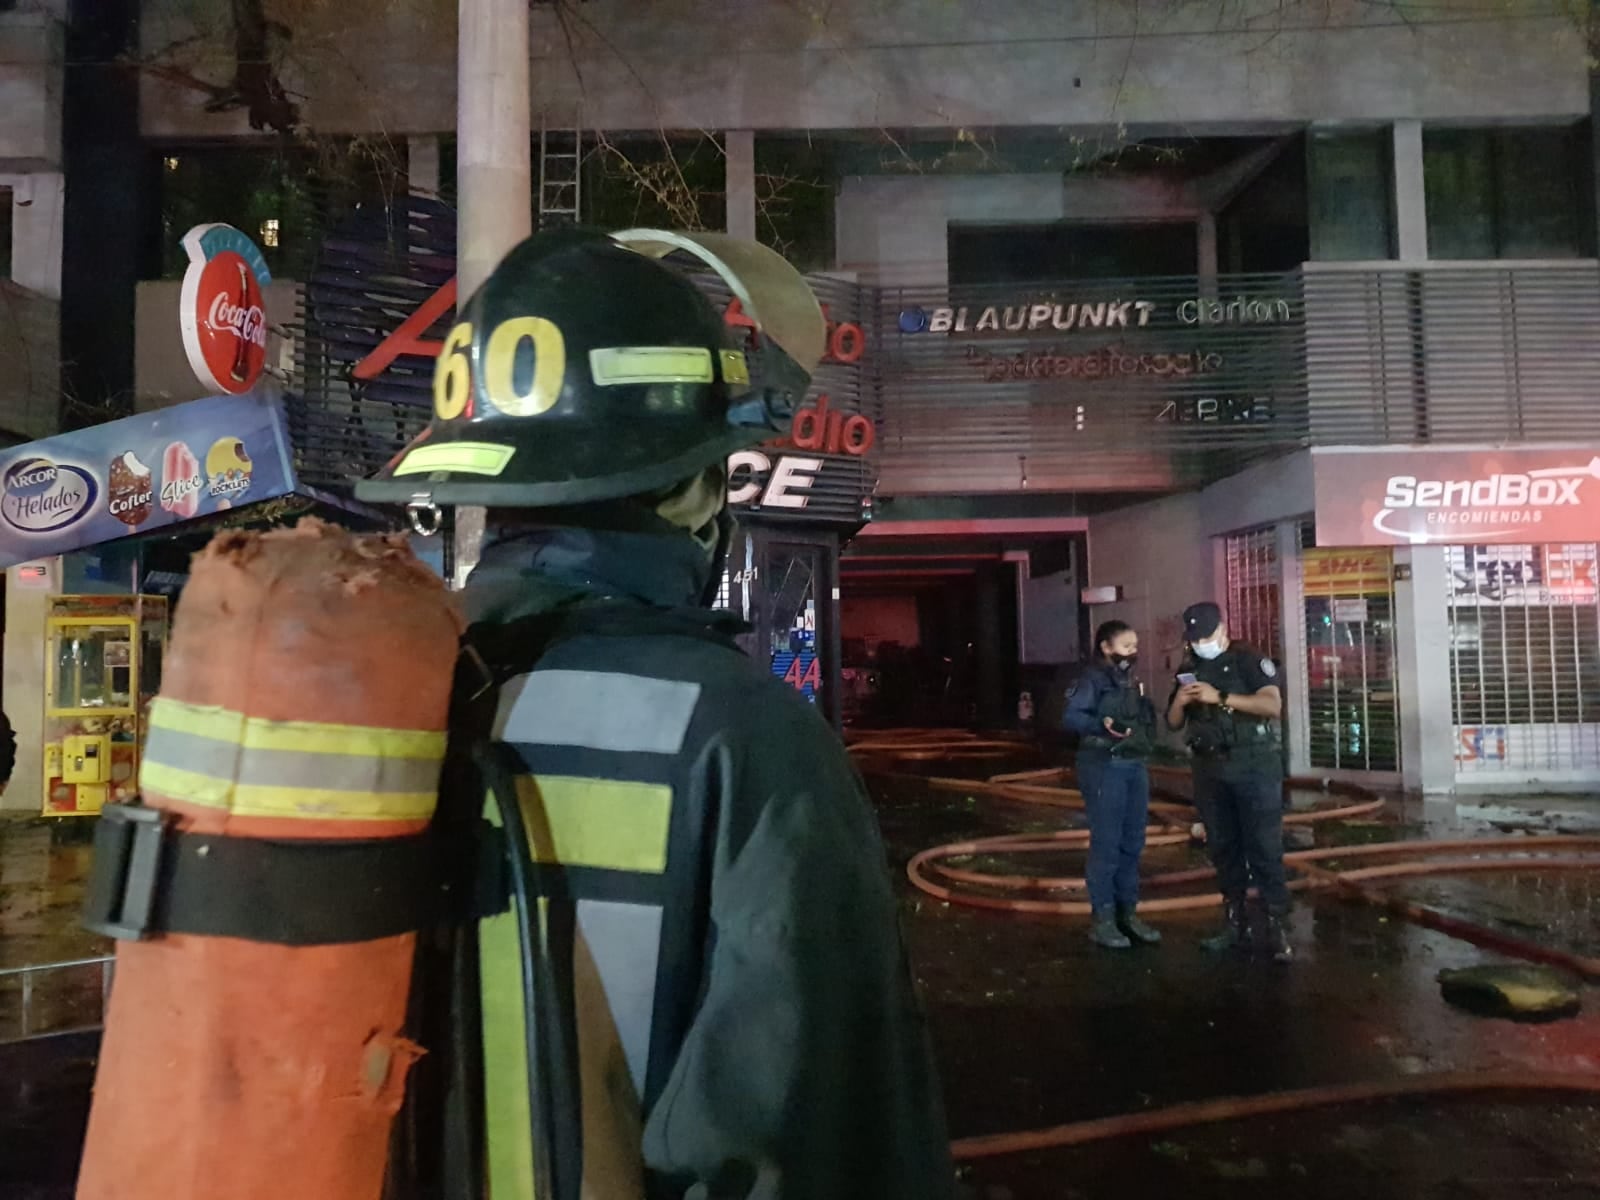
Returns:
<point x="181" y="481"/>
<point x="131" y="494"/>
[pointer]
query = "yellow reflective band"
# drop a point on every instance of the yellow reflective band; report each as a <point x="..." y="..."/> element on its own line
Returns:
<point x="218" y="758"/>
<point x="305" y="737"/>
<point x="464" y="458"/>
<point x="603" y="823"/>
<point x="735" y="368"/>
<point x="506" y="1109"/>
<point x="266" y="800"/>
<point x="650" y="364"/>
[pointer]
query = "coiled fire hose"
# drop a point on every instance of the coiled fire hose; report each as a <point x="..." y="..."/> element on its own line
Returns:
<point x="1554" y="852"/>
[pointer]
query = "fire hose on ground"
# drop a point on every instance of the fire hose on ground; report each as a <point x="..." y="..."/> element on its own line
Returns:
<point x="1560" y="852"/>
<point x="1232" y="1108"/>
<point x="1548" y="852"/>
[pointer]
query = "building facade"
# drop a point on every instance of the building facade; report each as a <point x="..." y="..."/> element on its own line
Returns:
<point x="1131" y="278"/>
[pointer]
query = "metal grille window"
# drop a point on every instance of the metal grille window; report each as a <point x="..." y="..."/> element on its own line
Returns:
<point x="1352" y="703"/>
<point x="1525" y="657"/>
<point x="1254" y="606"/>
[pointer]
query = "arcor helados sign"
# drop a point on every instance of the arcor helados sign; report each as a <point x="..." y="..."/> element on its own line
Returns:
<point x="221" y="310"/>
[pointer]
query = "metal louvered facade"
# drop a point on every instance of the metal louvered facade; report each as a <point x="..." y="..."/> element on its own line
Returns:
<point x="1152" y="384"/>
<point x="377" y="271"/>
<point x="373" y="274"/>
<point x="838" y="489"/>
<point x="1094" y="385"/>
<point x="1163" y="383"/>
<point x="1452" y="352"/>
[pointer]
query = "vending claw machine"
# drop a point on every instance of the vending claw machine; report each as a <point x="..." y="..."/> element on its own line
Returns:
<point x="102" y="669"/>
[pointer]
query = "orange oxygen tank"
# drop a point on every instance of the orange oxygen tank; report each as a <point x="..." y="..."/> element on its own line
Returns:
<point x="304" y="701"/>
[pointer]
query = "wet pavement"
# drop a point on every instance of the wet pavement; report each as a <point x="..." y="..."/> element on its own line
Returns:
<point x="1033" y="1027"/>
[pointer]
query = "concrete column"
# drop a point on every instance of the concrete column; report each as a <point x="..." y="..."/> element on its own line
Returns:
<point x="422" y="165"/>
<point x="24" y="687"/>
<point x="1410" y="196"/>
<point x="991" y="701"/>
<point x="38" y="208"/>
<point x="494" y="189"/>
<point x="1293" y="670"/>
<point x="1422" y="669"/>
<point x="1422" y="633"/>
<point x="740" y="163"/>
<point x="493" y="138"/>
<point x="1594" y="128"/>
<point x="1206" y="264"/>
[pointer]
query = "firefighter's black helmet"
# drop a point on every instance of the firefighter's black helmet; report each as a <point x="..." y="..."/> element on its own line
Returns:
<point x="586" y="368"/>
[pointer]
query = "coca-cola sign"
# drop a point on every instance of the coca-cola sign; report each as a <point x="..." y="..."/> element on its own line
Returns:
<point x="1456" y="497"/>
<point x="221" y="311"/>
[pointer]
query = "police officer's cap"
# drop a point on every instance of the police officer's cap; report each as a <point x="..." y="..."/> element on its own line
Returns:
<point x="1200" y="621"/>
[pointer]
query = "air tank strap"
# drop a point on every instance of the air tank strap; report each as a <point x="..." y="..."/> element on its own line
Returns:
<point x="150" y="879"/>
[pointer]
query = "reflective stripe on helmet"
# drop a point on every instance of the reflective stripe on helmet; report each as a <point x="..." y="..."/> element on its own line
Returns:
<point x="467" y="458"/>
<point x="650" y="364"/>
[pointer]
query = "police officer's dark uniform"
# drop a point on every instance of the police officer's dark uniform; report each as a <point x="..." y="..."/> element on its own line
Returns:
<point x="698" y="987"/>
<point x="1238" y="783"/>
<point x="1116" y="789"/>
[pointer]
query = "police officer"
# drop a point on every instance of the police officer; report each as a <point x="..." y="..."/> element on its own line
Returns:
<point x="1230" y="712"/>
<point x="697" y="986"/>
<point x="1115" y="725"/>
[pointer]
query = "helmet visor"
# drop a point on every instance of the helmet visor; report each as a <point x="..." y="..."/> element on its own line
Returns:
<point x="772" y="293"/>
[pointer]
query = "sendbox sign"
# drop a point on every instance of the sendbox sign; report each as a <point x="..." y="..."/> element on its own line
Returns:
<point x="139" y="474"/>
<point x="1416" y="497"/>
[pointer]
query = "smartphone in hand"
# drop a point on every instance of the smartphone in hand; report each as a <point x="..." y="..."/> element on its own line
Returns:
<point x="1186" y="678"/>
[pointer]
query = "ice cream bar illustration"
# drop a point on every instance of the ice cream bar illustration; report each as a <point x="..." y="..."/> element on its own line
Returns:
<point x="131" y="497"/>
<point x="228" y="467"/>
<point x="181" y="481"/>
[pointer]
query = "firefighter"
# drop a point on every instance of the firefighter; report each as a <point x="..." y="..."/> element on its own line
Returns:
<point x="693" y="984"/>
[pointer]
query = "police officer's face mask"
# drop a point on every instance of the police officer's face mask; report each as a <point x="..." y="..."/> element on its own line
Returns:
<point x="1207" y="649"/>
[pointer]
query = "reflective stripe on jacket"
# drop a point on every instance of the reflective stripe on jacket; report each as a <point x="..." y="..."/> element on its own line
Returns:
<point x="744" y="1012"/>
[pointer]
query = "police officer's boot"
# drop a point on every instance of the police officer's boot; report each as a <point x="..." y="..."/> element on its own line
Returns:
<point x="1104" y="931"/>
<point x="1136" y="929"/>
<point x="1235" y="931"/>
<point x="1278" y="937"/>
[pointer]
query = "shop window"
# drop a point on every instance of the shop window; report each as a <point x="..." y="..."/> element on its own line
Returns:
<point x="652" y="181"/>
<point x="287" y="199"/>
<point x="1506" y="193"/>
<point x="1352" y="702"/>
<point x="1525" y="656"/>
<point x="1267" y="227"/>
<point x="1048" y="251"/>
<point x="1352" y="218"/>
